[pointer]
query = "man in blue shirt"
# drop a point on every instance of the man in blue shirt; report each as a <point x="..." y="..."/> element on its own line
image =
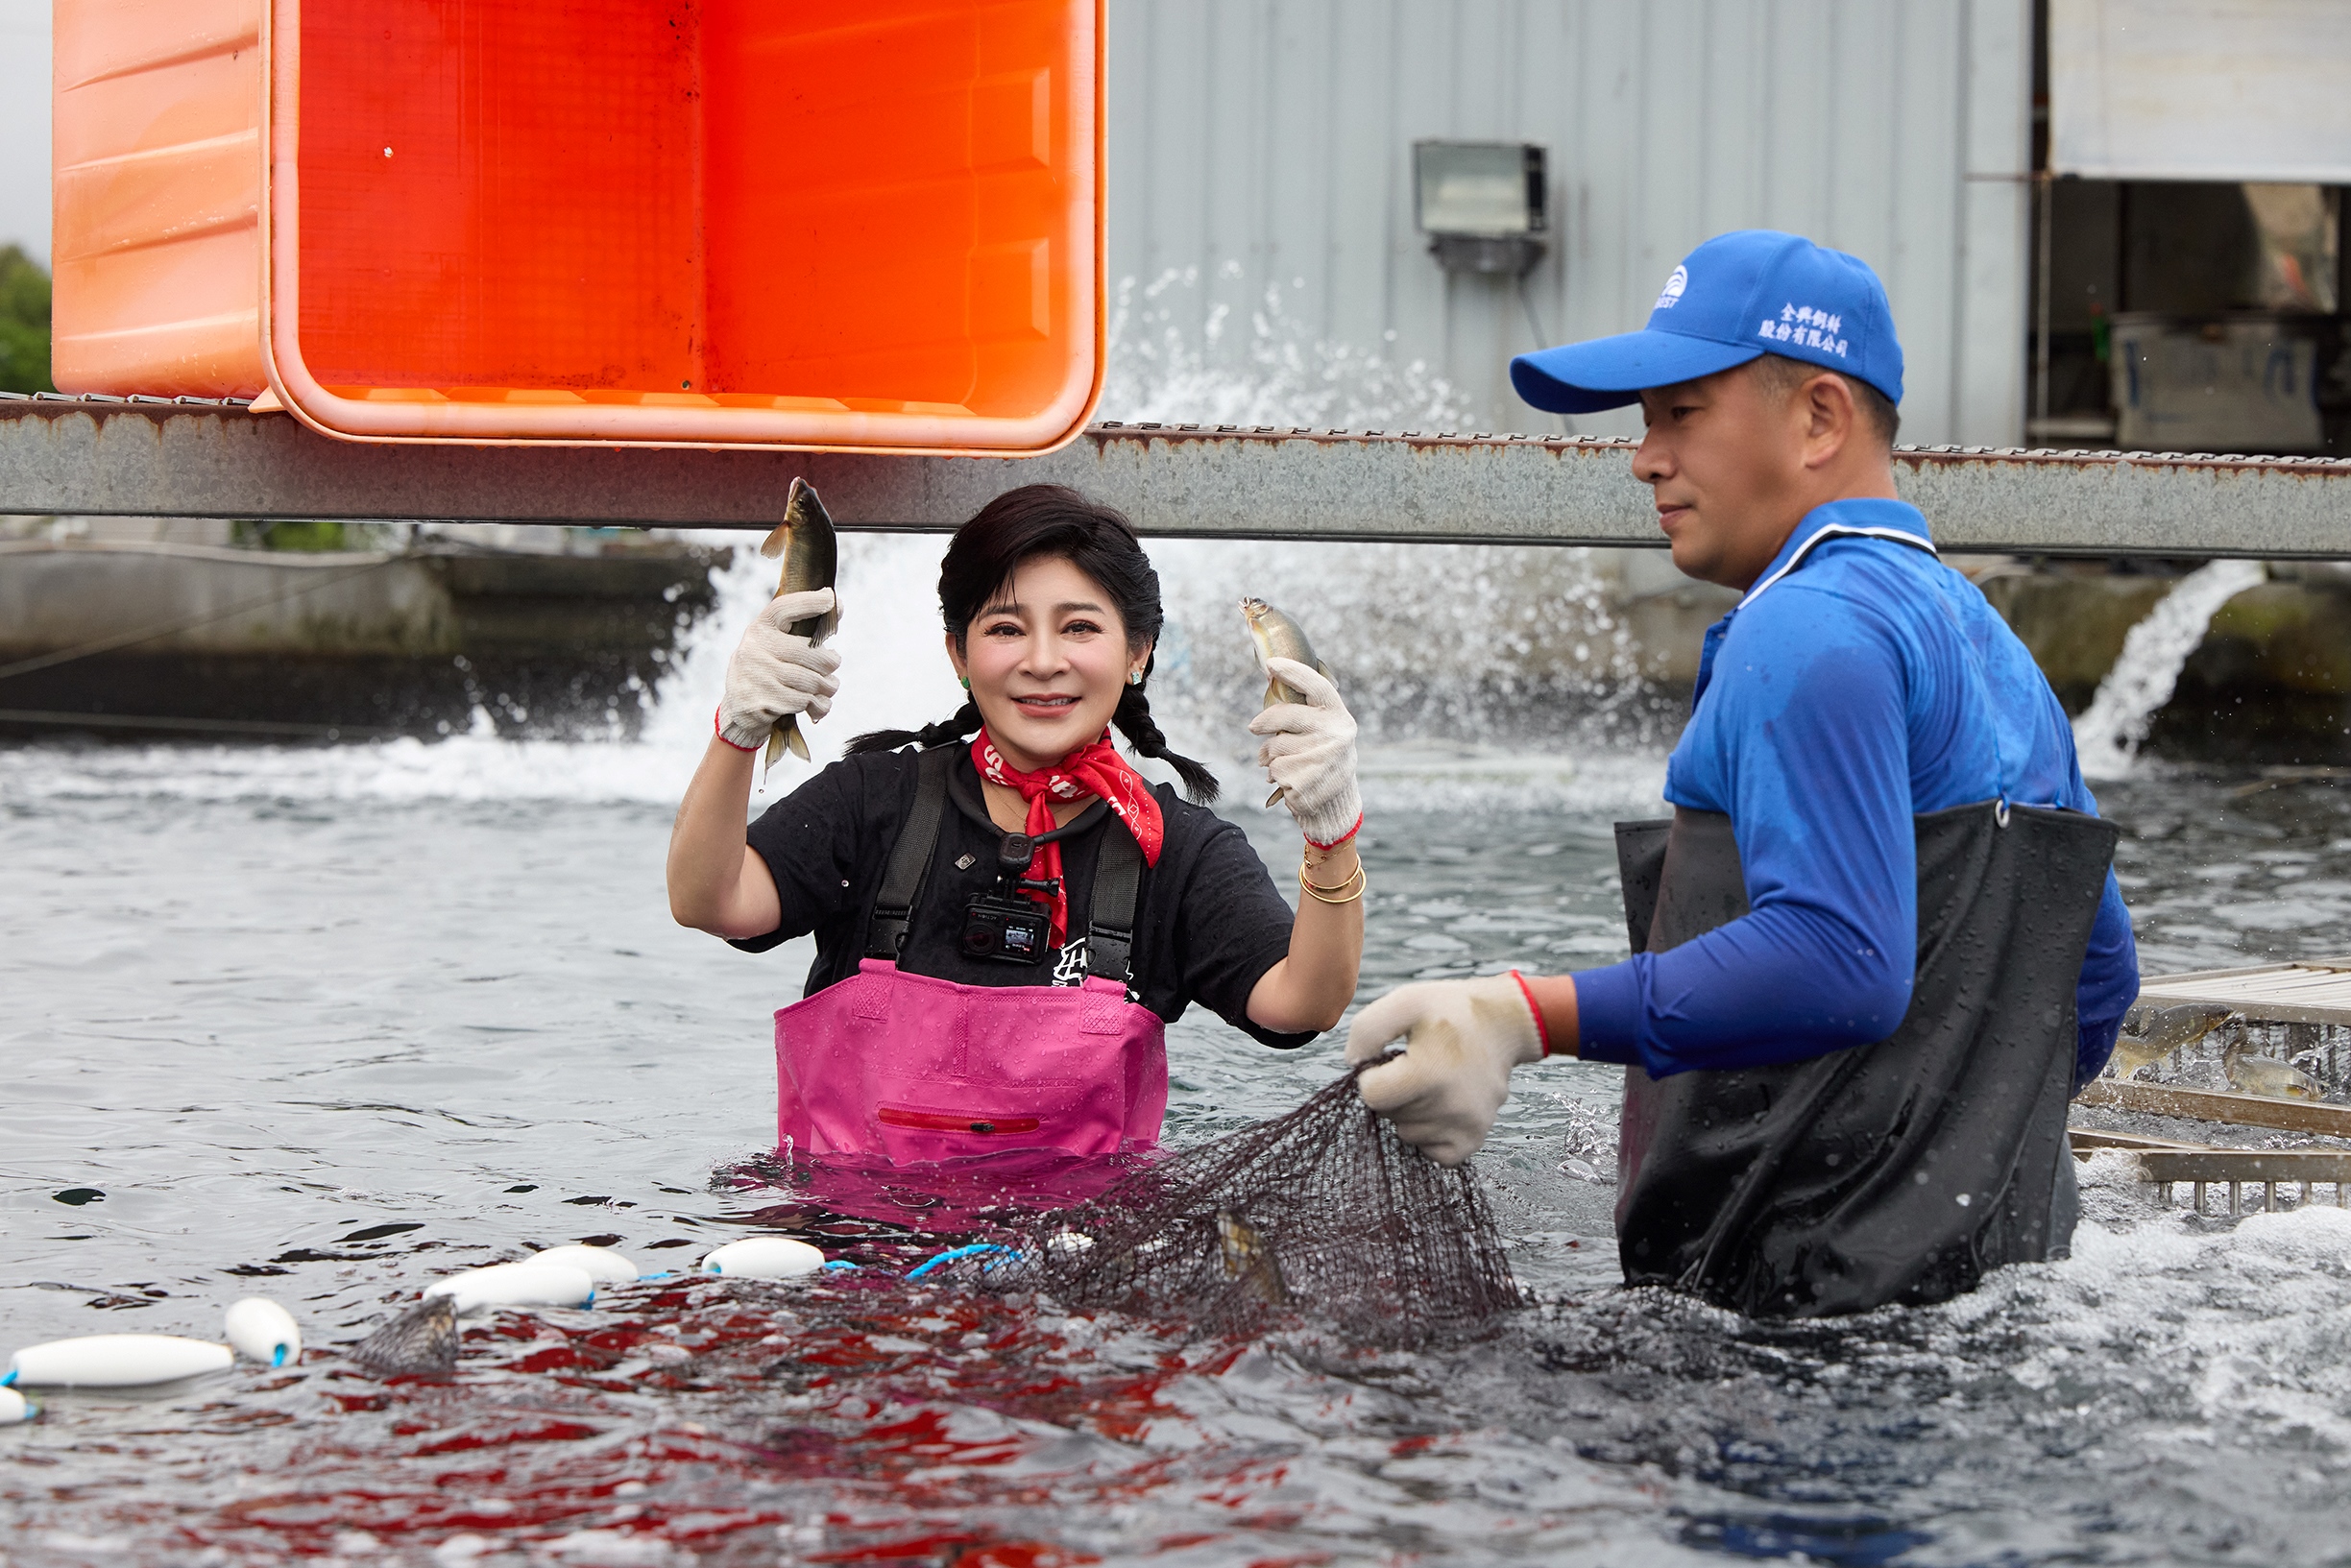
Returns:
<point x="1879" y="945"/>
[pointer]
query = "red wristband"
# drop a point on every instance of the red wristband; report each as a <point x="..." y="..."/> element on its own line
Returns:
<point x="1542" y="1031"/>
<point x="1343" y="837"/>
<point x="718" y="728"/>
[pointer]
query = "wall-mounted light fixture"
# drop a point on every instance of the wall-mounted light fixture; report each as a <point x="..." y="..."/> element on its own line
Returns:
<point x="1481" y="204"/>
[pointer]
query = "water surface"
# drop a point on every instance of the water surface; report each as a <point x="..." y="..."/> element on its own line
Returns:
<point x="324" y="1024"/>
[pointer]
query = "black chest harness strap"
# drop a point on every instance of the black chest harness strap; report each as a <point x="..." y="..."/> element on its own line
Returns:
<point x="1118" y="874"/>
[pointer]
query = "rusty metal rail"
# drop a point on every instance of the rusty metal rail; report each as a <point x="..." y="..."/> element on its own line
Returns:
<point x="2212" y="1105"/>
<point x="2236" y="1169"/>
<point x="2202" y="1166"/>
<point x="153" y="458"/>
<point x="2089" y="1140"/>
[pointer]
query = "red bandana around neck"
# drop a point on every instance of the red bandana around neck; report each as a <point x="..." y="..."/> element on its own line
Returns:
<point x="1095" y="769"/>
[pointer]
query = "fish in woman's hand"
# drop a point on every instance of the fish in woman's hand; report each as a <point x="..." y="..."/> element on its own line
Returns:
<point x="811" y="557"/>
<point x="1273" y="636"/>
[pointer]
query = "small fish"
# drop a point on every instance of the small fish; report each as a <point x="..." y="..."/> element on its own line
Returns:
<point x="419" y="1342"/>
<point x="2150" y="1034"/>
<point x="1245" y="1257"/>
<point x="811" y="557"/>
<point x="1275" y="635"/>
<point x="1068" y="1243"/>
<point x="2269" y="1079"/>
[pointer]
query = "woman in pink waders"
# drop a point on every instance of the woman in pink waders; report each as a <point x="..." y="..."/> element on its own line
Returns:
<point x="1007" y="915"/>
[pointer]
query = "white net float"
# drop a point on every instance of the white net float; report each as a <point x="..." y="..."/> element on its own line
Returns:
<point x="764" y="1257"/>
<point x="116" y="1360"/>
<point x="260" y="1330"/>
<point x="517" y="1285"/>
<point x="600" y="1263"/>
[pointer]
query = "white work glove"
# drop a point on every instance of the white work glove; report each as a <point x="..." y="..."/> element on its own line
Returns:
<point x="1461" y="1040"/>
<point x="1309" y="754"/>
<point x="773" y="673"/>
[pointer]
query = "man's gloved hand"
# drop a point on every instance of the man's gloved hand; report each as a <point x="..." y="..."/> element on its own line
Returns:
<point x="1309" y="753"/>
<point x="1461" y="1040"/>
<point x="773" y="673"/>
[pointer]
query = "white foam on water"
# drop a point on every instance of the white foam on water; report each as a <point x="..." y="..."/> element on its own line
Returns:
<point x="2108" y="734"/>
<point x="1436" y="776"/>
<point x="2245" y="1324"/>
<point x="892" y="674"/>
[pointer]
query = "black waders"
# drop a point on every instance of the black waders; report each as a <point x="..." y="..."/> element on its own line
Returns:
<point x="1898" y="1171"/>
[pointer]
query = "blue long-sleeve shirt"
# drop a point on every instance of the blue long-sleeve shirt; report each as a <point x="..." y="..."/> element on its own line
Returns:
<point x="1858" y="684"/>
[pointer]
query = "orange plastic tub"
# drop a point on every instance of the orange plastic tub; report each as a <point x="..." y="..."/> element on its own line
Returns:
<point x="870" y="225"/>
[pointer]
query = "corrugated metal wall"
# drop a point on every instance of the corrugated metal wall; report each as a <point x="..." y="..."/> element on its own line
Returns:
<point x="1269" y="141"/>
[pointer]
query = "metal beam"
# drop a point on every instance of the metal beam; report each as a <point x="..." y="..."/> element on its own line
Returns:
<point x="109" y="457"/>
<point x="2212" y="1105"/>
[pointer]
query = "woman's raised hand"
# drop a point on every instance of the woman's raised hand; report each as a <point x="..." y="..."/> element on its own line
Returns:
<point x="1309" y="754"/>
<point x="774" y="672"/>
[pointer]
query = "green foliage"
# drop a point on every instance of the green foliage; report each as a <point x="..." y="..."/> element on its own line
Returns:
<point x="24" y="323"/>
<point x="292" y="534"/>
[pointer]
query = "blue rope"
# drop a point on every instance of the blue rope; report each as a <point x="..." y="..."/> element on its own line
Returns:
<point x="953" y="1254"/>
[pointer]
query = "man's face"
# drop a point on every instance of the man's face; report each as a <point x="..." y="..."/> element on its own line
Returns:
<point x="1724" y="458"/>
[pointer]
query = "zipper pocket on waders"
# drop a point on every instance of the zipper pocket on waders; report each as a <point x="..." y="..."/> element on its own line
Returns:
<point x="938" y="1121"/>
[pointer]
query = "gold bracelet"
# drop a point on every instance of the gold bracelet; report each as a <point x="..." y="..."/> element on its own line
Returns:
<point x="1321" y="895"/>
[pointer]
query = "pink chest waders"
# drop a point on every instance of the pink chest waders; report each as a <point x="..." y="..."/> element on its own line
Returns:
<point x="917" y="1070"/>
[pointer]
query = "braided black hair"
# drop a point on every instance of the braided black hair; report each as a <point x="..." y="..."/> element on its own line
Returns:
<point x="1041" y="521"/>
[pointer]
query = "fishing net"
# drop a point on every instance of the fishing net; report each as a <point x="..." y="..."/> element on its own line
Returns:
<point x="1321" y="1215"/>
<point x="422" y="1342"/>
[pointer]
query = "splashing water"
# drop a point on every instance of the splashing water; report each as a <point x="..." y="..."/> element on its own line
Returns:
<point x="1279" y="375"/>
<point x="1472" y="668"/>
<point x="2108" y="734"/>
<point x="1439" y="649"/>
<point x="892" y="674"/>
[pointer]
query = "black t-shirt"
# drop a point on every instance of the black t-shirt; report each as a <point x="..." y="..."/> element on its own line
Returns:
<point x="1208" y="923"/>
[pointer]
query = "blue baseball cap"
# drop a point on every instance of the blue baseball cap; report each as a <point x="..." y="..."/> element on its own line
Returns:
<point x="1737" y="297"/>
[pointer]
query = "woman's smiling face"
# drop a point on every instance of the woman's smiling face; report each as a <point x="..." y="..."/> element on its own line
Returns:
<point x="1046" y="658"/>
